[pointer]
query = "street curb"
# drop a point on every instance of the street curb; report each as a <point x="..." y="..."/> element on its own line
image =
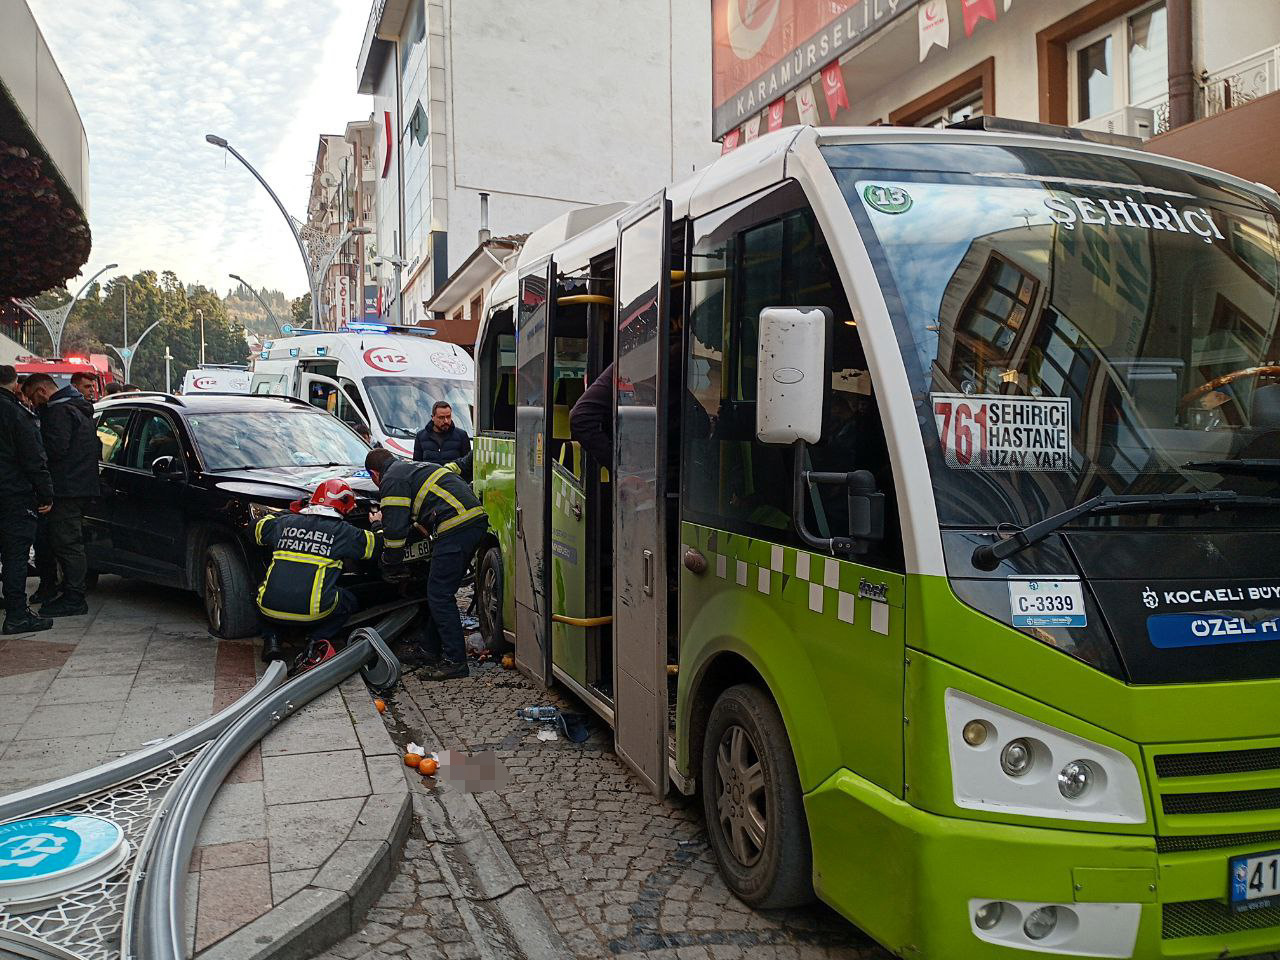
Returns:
<point x="460" y="829"/>
<point x="333" y="905"/>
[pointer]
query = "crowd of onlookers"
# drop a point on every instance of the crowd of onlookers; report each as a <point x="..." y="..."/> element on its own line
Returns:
<point x="48" y="474"/>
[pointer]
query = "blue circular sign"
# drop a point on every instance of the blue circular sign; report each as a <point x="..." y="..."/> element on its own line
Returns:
<point x="287" y="328"/>
<point x="38" y="852"/>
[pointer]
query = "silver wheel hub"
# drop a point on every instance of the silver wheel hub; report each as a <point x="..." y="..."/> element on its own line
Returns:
<point x="741" y="800"/>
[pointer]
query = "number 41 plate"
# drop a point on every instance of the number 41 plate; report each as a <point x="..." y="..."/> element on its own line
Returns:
<point x="1253" y="880"/>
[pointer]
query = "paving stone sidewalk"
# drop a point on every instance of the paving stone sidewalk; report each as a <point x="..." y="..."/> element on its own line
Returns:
<point x="619" y="873"/>
<point x="302" y="835"/>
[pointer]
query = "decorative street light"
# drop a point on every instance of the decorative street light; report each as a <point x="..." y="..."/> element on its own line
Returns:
<point x="265" y="306"/>
<point x="320" y="258"/>
<point x="168" y="378"/>
<point x="55" y="318"/>
<point x="127" y="352"/>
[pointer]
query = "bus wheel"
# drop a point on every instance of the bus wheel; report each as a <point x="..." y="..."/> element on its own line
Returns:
<point x="489" y="601"/>
<point x="752" y="804"/>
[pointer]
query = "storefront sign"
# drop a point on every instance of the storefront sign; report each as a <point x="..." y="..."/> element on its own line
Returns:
<point x="763" y="49"/>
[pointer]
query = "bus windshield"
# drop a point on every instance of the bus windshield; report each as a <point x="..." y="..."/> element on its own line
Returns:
<point x="403" y="404"/>
<point x="1076" y="324"/>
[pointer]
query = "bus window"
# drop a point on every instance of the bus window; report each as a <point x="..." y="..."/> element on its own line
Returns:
<point x="772" y="256"/>
<point x="496" y="375"/>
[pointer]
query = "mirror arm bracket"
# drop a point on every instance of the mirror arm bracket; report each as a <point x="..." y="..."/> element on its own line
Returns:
<point x="866" y="507"/>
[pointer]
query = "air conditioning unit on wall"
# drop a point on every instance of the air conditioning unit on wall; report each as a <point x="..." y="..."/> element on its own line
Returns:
<point x="1137" y="122"/>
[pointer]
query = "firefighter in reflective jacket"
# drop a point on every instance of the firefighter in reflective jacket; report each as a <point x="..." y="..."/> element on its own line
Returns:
<point x="301" y="587"/>
<point x="437" y="502"/>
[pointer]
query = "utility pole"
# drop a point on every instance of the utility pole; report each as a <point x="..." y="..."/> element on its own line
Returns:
<point x="168" y="358"/>
<point x="200" y="315"/>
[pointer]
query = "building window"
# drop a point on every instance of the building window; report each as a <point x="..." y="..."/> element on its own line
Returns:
<point x="971" y="94"/>
<point x="477" y="304"/>
<point x="990" y="321"/>
<point x="1122" y="63"/>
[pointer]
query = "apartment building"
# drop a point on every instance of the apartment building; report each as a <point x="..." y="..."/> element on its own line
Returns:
<point x="1196" y="79"/>
<point x="544" y="107"/>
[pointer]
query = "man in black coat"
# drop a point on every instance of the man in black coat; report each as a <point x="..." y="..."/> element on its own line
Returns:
<point x="441" y="441"/>
<point x="72" y="446"/>
<point x="25" y="490"/>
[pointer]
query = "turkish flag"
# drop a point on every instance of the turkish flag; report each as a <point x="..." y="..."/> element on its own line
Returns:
<point x="833" y="87"/>
<point x="730" y="142"/>
<point x="975" y="10"/>
<point x="776" y="110"/>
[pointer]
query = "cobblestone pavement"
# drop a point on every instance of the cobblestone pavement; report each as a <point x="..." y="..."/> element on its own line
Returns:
<point x="619" y="873"/>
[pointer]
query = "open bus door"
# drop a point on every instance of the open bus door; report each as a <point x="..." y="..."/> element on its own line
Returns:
<point x="535" y="306"/>
<point x="640" y="574"/>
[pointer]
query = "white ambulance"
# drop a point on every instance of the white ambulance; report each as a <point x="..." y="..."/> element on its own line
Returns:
<point x="387" y="378"/>
<point x="216" y="378"/>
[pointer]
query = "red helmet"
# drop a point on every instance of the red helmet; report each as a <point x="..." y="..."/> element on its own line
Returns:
<point x="334" y="493"/>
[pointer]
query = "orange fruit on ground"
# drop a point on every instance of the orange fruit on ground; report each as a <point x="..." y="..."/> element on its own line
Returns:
<point x="428" y="767"/>
<point x="412" y="759"/>
<point x="508" y="661"/>
<point x="381" y="705"/>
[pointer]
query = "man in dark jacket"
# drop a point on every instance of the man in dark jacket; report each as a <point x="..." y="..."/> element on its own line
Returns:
<point x="26" y="489"/>
<point x="434" y="500"/>
<point x="72" y="446"/>
<point x="441" y="441"/>
<point x="591" y="419"/>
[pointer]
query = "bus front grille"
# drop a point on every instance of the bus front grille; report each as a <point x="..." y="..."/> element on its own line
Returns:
<point x="1215" y="841"/>
<point x="1217" y="763"/>
<point x="1228" y="801"/>
<point x="1208" y="918"/>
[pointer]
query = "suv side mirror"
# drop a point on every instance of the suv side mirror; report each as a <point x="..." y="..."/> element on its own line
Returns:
<point x="792" y="373"/>
<point x="167" y="468"/>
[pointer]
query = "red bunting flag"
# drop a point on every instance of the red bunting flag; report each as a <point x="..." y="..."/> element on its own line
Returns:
<point x="833" y="87"/>
<point x="776" y="110"/>
<point x="975" y="10"/>
<point x="730" y="142"/>
<point x="751" y="129"/>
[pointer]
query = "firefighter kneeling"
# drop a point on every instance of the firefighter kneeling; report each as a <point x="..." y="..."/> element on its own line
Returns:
<point x="301" y="588"/>
<point x="439" y="503"/>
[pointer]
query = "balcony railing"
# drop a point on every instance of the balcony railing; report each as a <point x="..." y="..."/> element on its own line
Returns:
<point x="1240" y="83"/>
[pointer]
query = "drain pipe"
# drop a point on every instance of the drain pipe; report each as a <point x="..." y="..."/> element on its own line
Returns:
<point x="1182" y="78"/>
<point x="484" y="219"/>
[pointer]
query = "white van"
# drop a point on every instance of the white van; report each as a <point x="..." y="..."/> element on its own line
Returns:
<point x="387" y="380"/>
<point x="216" y="378"/>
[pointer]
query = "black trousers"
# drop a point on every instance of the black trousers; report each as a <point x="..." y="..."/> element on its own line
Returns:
<point x="325" y="629"/>
<point x="17" y="534"/>
<point x="66" y="540"/>
<point x="450" y="555"/>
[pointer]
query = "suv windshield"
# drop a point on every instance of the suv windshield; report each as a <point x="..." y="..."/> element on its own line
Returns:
<point x="1074" y="324"/>
<point x="280" y="438"/>
<point x="403" y="404"/>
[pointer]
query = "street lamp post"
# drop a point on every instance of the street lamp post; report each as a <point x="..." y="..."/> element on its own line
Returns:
<point x="55" y="319"/>
<point x="200" y="316"/>
<point x="168" y="381"/>
<point x="302" y="247"/>
<point x="399" y="264"/>
<point x="265" y="306"/>
<point x="130" y="350"/>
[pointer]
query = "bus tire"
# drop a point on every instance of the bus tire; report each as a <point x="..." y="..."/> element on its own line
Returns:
<point x="228" y="596"/>
<point x="752" y="803"/>
<point x="488" y="589"/>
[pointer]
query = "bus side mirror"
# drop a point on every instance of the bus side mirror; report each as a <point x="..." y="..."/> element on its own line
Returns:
<point x="792" y="378"/>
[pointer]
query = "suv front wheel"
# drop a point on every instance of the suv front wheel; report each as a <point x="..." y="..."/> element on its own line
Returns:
<point x="228" y="595"/>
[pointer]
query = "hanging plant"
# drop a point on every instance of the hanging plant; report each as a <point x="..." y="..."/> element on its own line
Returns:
<point x="44" y="241"/>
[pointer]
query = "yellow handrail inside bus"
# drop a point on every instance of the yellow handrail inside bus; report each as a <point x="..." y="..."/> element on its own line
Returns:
<point x="582" y="621"/>
<point x="577" y="298"/>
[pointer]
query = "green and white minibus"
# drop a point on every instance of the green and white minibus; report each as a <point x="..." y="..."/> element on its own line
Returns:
<point x="938" y="546"/>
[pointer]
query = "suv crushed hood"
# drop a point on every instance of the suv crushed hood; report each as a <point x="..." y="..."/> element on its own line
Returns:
<point x="287" y="483"/>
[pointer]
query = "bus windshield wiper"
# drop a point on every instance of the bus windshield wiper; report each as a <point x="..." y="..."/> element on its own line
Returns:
<point x="989" y="555"/>
<point x="1234" y="466"/>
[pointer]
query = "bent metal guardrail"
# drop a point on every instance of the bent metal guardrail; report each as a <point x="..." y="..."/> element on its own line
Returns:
<point x="155" y="907"/>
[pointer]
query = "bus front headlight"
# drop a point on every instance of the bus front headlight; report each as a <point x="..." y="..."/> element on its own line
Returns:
<point x="1023" y="766"/>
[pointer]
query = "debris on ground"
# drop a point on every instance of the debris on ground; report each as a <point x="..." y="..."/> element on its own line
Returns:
<point x="548" y="733"/>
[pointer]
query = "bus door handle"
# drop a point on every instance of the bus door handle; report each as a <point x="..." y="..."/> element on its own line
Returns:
<point x="519" y="524"/>
<point x="648" y="573"/>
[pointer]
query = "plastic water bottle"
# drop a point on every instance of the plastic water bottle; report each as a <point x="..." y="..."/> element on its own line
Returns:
<point x="538" y="713"/>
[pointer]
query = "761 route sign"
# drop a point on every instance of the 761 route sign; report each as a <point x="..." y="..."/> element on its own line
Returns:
<point x="1003" y="433"/>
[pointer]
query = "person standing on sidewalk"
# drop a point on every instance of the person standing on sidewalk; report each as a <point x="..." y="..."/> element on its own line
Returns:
<point x="72" y="445"/>
<point x="26" y="489"/>
<point x="436" y="501"/>
<point x="441" y="440"/>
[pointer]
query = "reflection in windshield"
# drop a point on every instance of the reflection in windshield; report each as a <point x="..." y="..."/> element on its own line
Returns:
<point x="231" y="441"/>
<point x="403" y="404"/>
<point x="1075" y="333"/>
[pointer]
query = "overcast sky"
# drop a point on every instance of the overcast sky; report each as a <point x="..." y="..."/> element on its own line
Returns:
<point x="152" y="77"/>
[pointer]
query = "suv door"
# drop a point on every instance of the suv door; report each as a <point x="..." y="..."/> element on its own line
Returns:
<point x="101" y="517"/>
<point x="152" y="526"/>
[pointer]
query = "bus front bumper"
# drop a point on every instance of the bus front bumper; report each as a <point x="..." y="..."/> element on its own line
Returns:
<point x="914" y="881"/>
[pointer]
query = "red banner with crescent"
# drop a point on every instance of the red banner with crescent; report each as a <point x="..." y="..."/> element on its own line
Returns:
<point x="833" y="89"/>
<point x="776" y="111"/>
<point x="975" y="10"/>
<point x="730" y="142"/>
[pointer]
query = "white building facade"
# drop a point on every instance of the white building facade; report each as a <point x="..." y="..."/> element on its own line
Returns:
<point x="545" y="107"/>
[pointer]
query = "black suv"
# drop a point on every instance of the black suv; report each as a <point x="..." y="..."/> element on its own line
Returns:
<point x="184" y="480"/>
